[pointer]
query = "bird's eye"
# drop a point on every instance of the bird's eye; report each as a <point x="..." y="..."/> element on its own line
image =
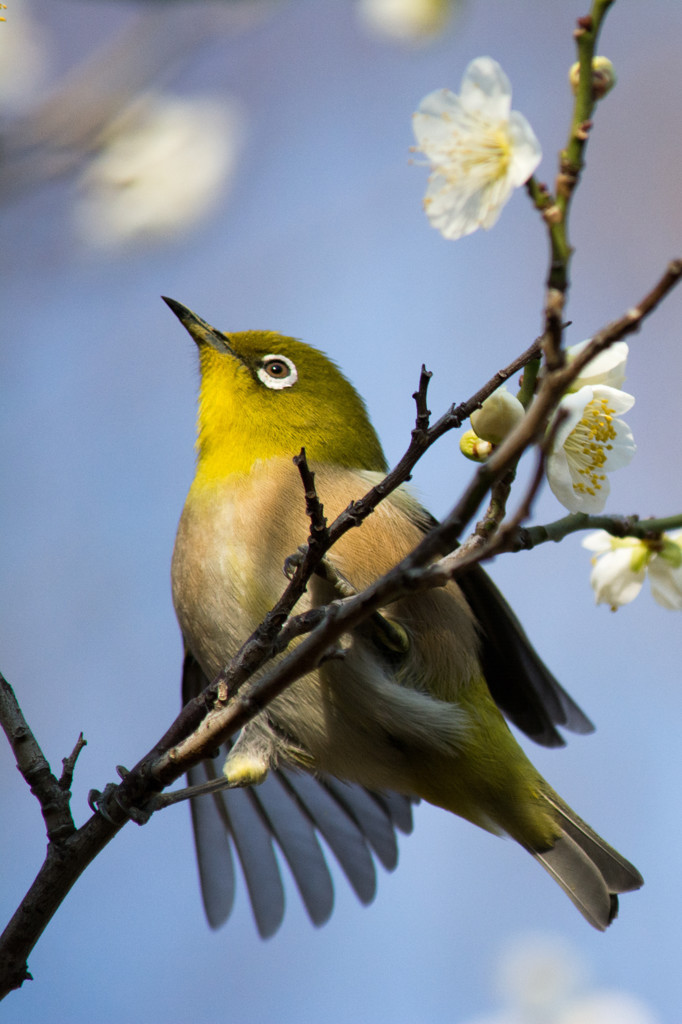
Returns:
<point x="277" y="372"/>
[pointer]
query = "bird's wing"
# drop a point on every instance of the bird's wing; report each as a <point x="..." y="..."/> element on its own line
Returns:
<point x="520" y="683"/>
<point x="288" y="810"/>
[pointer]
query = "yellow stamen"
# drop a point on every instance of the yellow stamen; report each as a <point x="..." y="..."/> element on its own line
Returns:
<point x="588" y="444"/>
<point x="485" y="154"/>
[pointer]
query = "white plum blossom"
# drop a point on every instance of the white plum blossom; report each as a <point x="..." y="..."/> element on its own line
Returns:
<point x="590" y="442"/>
<point x="479" y="150"/>
<point x="620" y="566"/>
<point x="606" y="368"/>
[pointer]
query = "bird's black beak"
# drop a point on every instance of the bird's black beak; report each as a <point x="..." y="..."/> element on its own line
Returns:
<point x="202" y="332"/>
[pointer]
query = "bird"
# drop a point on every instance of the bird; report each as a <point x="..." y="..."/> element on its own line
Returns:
<point x="418" y="705"/>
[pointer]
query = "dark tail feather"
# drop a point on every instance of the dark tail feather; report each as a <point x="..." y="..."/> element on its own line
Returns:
<point x="590" y="872"/>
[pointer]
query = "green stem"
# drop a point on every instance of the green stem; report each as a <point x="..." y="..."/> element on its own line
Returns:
<point x="527" y="389"/>
<point x="572" y="159"/>
<point x="618" y="526"/>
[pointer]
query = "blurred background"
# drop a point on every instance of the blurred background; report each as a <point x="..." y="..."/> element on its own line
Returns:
<point x="252" y="161"/>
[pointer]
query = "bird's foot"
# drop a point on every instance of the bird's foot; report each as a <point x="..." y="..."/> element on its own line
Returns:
<point x="104" y="801"/>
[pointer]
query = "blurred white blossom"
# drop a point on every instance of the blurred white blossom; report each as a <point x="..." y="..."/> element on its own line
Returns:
<point x="23" y="56"/>
<point x="607" y="1007"/>
<point x="538" y="973"/>
<point x="543" y="980"/>
<point x="406" y="21"/>
<point x="161" y="167"/>
<point x="590" y="442"/>
<point x="478" y="148"/>
<point x="620" y="565"/>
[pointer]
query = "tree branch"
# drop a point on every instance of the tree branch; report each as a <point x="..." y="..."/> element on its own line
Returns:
<point x="53" y="795"/>
<point x="195" y="732"/>
<point x="618" y="526"/>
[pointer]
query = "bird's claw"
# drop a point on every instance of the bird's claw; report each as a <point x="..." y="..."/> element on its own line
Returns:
<point x="292" y="563"/>
<point x="100" y="802"/>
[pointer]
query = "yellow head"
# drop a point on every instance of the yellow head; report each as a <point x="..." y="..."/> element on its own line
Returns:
<point x="265" y="395"/>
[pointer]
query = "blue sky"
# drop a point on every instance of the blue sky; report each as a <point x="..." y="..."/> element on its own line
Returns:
<point x="322" y="236"/>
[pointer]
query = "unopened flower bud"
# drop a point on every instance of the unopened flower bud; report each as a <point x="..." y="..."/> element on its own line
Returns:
<point x="498" y="416"/>
<point x="603" y="77"/>
<point x="471" y="445"/>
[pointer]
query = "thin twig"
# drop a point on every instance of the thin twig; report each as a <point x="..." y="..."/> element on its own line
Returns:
<point x="423" y="412"/>
<point x="506" y="535"/>
<point x="34" y="767"/>
<point x="69" y="763"/>
<point x="313" y="505"/>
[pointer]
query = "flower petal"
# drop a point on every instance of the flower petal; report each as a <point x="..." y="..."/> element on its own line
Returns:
<point x="666" y="584"/>
<point x="561" y="482"/>
<point x="486" y="90"/>
<point x="619" y="401"/>
<point x="526" y="150"/>
<point x="599" y="541"/>
<point x="571" y="407"/>
<point x="434" y="122"/>
<point x="454" y="214"/>
<point x="606" y="368"/>
<point x="613" y="581"/>
<point x="623" y="447"/>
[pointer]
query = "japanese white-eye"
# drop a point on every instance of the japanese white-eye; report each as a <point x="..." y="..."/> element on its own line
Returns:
<point x="345" y="750"/>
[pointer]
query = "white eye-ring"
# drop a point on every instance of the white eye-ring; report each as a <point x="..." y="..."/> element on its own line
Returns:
<point x="277" y="372"/>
